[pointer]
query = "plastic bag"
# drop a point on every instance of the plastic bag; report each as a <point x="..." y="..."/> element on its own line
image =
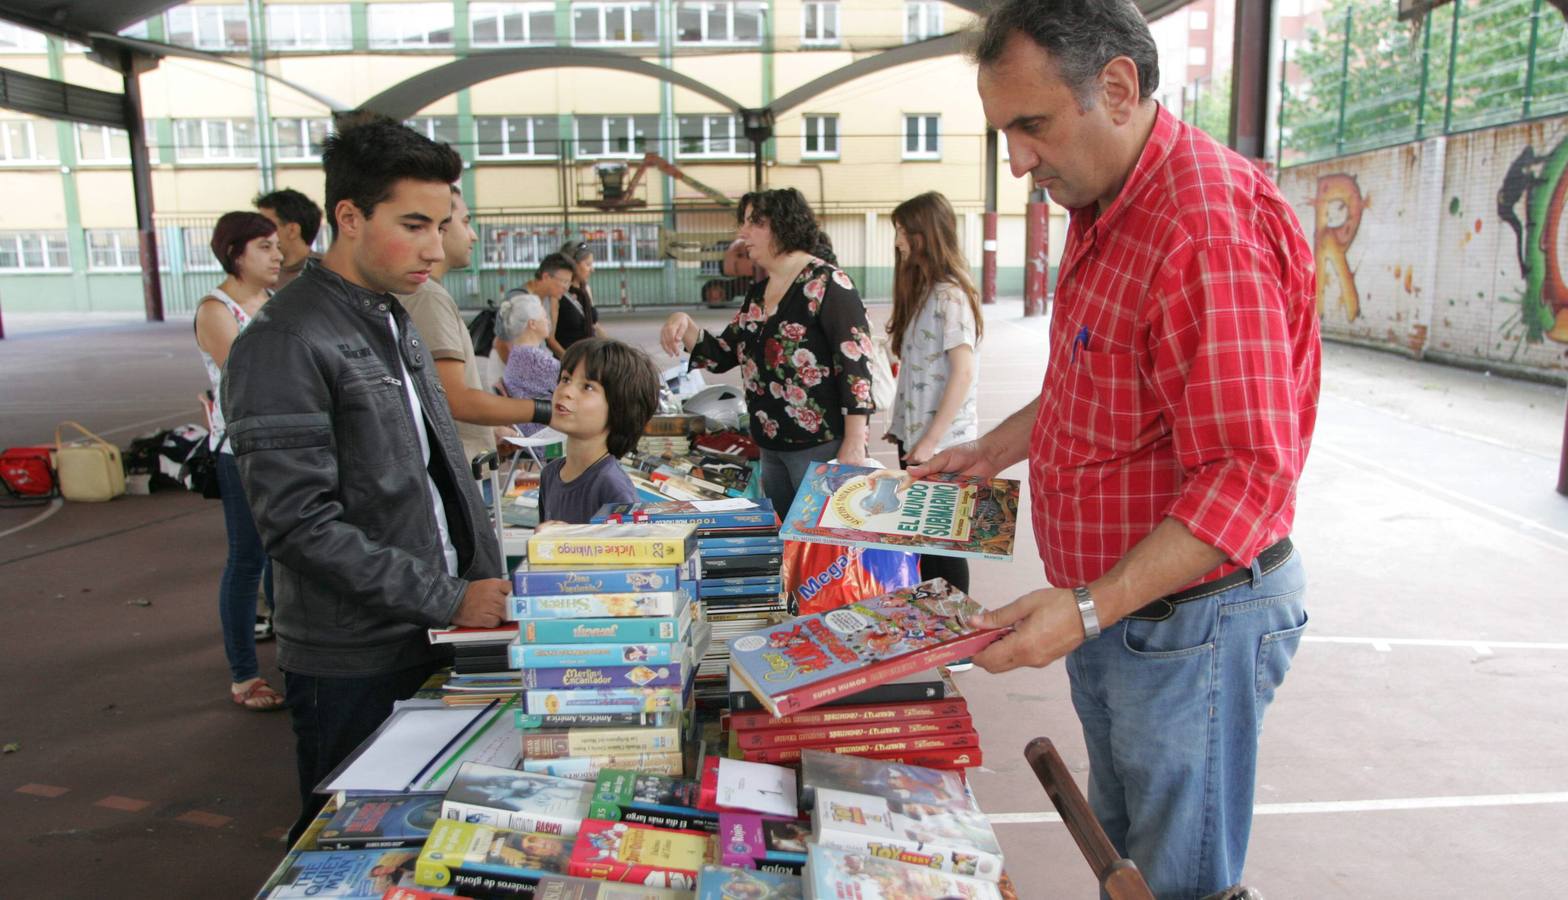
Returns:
<point x="820" y="577"/>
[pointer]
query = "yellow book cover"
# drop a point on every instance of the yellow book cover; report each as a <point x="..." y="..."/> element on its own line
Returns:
<point x="613" y="544"/>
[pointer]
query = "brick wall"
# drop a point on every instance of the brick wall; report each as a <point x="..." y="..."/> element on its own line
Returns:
<point x="1416" y="247"/>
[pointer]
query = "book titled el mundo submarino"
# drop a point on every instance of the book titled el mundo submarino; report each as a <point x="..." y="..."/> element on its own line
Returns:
<point x="945" y="513"/>
<point x="814" y="659"/>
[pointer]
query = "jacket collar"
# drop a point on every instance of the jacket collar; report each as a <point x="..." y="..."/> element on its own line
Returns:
<point x="369" y="304"/>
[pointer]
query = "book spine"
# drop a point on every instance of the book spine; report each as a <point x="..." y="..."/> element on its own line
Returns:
<point x="628" y="630"/>
<point x="987" y="866"/>
<point x="766" y="543"/>
<point x="961" y="740"/>
<point x="587" y="768"/>
<point x="611" y="812"/>
<point x="626" y="604"/>
<point x="809" y="696"/>
<point x="596" y="700"/>
<point x="762" y="581"/>
<point x="469" y="882"/>
<point x="755" y="562"/>
<point x="599" y="741"/>
<point x="588" y="581"/>
<point x="602" y="677"/>
<point x="368" y="843"/>
<point x="633" y="551"/>
<point x="744" y="861"/>
<point x="743" y="591"/>
<point x="529" y="722"/>
<point x="847" y="715"/>
<point x="505" y="818"/>
<point x="901" y="692"/>
<point x="853" y="733"/>
<point x="957" y="758"/>
<point x="709" y="554"/>
<point x="522" y="656"/>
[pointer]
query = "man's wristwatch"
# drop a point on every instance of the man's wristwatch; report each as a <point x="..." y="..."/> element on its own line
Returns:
<point x="1091" y="622"/>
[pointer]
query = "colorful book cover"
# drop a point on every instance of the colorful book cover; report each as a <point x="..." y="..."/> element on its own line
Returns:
<point x="865" y="876"/>
<point x="548" y="702"/>
<point x="525" y="656"/>
<point x="547" y="580"/>
<point x="520" y="801"/>
<point x="807" y="661"/>
<point x="730" y="883"/>
<point x="489" y="860"/>
<point x="356" y="874"/>
<point x="618" y="630"/>
<point x="890" y="781"/>
<point x="525" y="721"/>
<point x="919" y="687"/>
<point x="945" y="514"/>
<point x="672" y="675"/>
<point x="641" y="544"/>
<point x="827" y="716"/>
<point x="625" y="851"/>
<point x="855" y="733"/>
<point x="756" y="513"/>
<point x="374" y="821"/>
<point x="600" y="741"/>
<point x="601" y="605"/>
<point x="747" y="840"/>
<point x="654" y="793"/>
<point x="967" y="739"/>
<point x="587" y="768"/>
<point x="565" y="887"/>
<point x="953" y="840"/>
<point x="689" y="822"/>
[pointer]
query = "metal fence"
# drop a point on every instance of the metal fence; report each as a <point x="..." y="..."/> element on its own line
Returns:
<point x="1366" y="80"/>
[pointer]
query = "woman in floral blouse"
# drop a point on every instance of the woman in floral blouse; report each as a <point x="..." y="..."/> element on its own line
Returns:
<point x="801" y="341"/>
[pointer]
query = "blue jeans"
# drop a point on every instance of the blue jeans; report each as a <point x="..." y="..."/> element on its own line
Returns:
<point x="1171" y="714"/>
<point x="247" y="569"/>
<point x="784" y="470"/>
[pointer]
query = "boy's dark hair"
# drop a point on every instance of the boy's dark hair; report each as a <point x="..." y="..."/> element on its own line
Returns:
<point x="234" y="231"/>
<point x="630" y="382"/>
<point x="1081" y="38"/>
<point x="364" y="160"/>
<point x="787" y="213"/>
<point x="555" y="262"/>
<point x="292" y="206"/>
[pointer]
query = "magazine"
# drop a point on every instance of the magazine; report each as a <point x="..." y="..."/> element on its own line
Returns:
<point x="945" y="514"/>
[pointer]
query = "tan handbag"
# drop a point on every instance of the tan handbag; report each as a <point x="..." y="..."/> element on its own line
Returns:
<point x="90" y="470"/>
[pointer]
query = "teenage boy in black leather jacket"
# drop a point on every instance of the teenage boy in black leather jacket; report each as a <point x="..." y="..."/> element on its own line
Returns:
<point x="352" y="465"/>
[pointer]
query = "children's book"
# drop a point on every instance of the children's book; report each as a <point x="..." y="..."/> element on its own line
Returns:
<point x="856" y="733"/>
<point x="625" y="851"/>
<point x="966" y="739"/>
<point x="526" y="722"/>
<point x="919" y="687"/>
<point x="614" y="629"/>
<point x="529" y="580"/>
<point x="890" y="781"/>
<point x="811" y="660"/>
<point x="582" y="606"/>
<point x="673" y="675"/>
<point x="548" y="702"/>
<point x="356" y="874"/>
<point x="731" y="883"/>
<point x="489" y="861"/>
<point x="640" y="544"/>
<point x="953" y="840"/>
<point x="521" y="801"/>
<point x="523" y="656"/>
<point x="374" y="821"/>
<point x="946" y="514"/>
<point x="865" y="876"/>
<point x="750" y="841"/>
<point x="830" y="716"/>
<point x="556" y="744"/>
<point x="565" y="887"/>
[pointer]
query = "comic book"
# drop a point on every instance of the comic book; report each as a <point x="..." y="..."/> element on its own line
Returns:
<point x="946" y="514"/>
<point x="353" y="874"/>
<point x="919" y="687"/>
<point x="966" y="739"/>
<point x="640" y="544"/>
<point x="870" y="714"/>
<point x="953" y="840"/>
<point x="811" y="660"/>
<point x="858" y="732"/>
<point x="489" y="861"/>
<point x="834" y="873"/>
<point x="374" y="821"/>
<point x="731" y="883"/>
<point x="521" y="801"/>
<point x="626" y="851"/>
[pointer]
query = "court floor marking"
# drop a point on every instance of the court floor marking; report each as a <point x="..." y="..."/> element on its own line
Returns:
<point x="1343" y="806"/>
<point x="1484" y="648"/>
<point x="54" y="507"/>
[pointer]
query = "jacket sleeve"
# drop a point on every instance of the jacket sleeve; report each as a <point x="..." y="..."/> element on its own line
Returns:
<point x="278" y="402"/>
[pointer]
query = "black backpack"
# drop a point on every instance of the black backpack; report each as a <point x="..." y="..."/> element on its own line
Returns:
<point x="482" y="329"/>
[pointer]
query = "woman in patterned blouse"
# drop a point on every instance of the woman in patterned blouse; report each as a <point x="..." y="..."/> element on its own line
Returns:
<point x="801" y="341"/>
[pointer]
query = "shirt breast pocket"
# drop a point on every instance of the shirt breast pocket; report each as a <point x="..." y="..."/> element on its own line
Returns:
<point x="374" y="412"/>
<point x="1103" y="412"/>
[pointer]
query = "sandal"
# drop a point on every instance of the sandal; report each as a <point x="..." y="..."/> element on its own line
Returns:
<point x="259" y="697"/>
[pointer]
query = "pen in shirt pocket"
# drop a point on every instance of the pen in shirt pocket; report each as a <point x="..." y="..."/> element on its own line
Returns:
<point x="1082" y="340"/>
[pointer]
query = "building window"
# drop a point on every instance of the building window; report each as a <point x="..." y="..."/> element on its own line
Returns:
<point x="819" y="22"/>
<point x="410" y="24"/>
<point x="511" y="24"/>
<point x="631" y="246"/>
<point x="197" y="140"/>
<point x="113" y="249"/>
<point x="922" y="137"/>
<point x="300" y="26"/>
<point x="819" y="137"/>
<point x="517" y="137"/>
<point x="16" y="39"/>
<point x="441" y="129"/>
<point x="922" y="20"/>
<point x="300" y="138"/>
<point x="718" y="22"/>
<point x="1197" y="56"/>
<point x="196" y="243"/>
<point x="615" y="135"/>
<point x="34" y="251"/>
<point x="97" y="143"/>
<point x="28" y="140"/>
<point x="1198" y="20"/>
<point x="517" y="246"/>
<point x="208" y="27"/>
<point x="614" y="23"/>
<point x="711" y="136"/>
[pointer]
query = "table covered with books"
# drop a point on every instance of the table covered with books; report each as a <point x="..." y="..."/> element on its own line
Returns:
<point x="652" y="722"/>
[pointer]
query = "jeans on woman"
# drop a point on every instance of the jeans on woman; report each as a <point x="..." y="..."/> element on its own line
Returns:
<point x="247" y="569"/>
<point x="1171" y="713"/>
<point x="784" y="470"/>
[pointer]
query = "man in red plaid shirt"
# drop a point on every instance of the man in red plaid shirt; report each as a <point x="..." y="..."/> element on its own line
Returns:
<point x="1166" y="443"/>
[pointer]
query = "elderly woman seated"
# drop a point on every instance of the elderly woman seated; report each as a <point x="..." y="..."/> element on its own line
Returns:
<point x="531" y="369"/>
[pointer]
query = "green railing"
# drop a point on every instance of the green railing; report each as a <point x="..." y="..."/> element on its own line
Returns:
<point x="1367" y="80"/>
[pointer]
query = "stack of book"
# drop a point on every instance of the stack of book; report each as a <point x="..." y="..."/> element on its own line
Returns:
<point x="742" y="557"/>
<point x="607" y="656"/>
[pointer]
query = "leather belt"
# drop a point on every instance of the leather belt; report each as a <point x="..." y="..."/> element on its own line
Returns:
<point x="1270" y="559"/>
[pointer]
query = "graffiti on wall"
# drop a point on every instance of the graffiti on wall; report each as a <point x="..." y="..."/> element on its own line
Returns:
<point x="1537" y="184"/>
<point x="1338" y="207"/>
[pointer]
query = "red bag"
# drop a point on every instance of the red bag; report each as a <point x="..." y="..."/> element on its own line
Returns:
<point x="28" y="471"/>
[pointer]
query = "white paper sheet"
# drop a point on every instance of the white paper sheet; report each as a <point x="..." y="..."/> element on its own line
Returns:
<point x="405" y="746"/>
<point x="713" y="506"/>
<point x="758" y="787"/>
